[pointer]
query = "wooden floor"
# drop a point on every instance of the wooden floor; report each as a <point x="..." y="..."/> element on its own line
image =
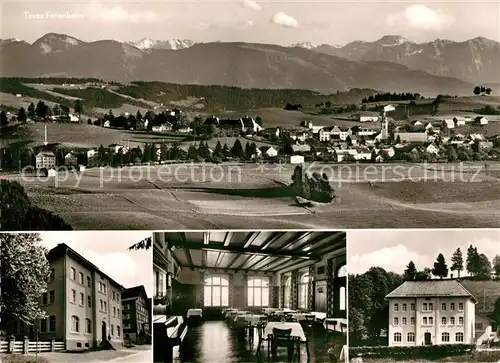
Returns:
<point x="215" y="341"/>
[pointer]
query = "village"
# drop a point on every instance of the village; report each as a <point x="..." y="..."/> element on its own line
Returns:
<point x="447" y="138"/>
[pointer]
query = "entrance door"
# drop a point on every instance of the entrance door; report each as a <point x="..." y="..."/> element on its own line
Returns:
<point x="427" y="338"/>
<point x="320" y="296"/>
<point x="103" y="333"/>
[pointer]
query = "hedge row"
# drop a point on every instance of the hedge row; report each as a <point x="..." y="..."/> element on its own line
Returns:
<point x="413" y="352"/>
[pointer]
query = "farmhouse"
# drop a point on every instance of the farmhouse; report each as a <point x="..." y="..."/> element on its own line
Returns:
<point x="432" y="312"/>
<point x="70" y="159"/>
<point x="481" y="120"/>
<point x="45" y="160"/>
<point x="431" y="148"/>
<point x="368" y="116"/>
<point x="269" y="151"/>
<point x="136" y="314"/>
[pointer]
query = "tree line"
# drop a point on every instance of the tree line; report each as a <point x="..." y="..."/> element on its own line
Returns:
<point x="480" y="90"/>
<point x="384" y="97"/>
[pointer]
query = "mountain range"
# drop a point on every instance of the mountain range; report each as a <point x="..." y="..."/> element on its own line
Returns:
<point x="391" y="63"/>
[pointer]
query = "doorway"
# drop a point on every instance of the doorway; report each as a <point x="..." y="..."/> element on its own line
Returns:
<point x="320" y="296"/>
<point x="103" y="331"/>
<point x="427" y="339"/>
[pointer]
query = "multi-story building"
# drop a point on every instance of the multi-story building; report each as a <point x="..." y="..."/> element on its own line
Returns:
<point x="45" y="160"/>
<point x="431" y="312"/>
<point x="136" y="314"/>
<point x="82" y="303"/>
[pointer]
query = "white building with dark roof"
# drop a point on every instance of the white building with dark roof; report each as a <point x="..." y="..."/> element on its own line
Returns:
<point x="431" y="312"/>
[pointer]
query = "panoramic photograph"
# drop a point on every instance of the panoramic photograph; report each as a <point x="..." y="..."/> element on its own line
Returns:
<point x="75" y="297"/>
<point x="249" y="114"/>
<point x="424" y="295"/>
<point x="249" y="297"/>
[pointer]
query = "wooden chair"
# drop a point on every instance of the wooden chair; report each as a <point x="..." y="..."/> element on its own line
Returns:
<point x="261" y="332"/>
<point x="330" y="323"/>
<point x="282" y="338"/>
<point x="343" y="327"/>
<point x="310" y="320"/>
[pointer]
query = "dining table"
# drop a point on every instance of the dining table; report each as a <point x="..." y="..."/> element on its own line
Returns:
<point x="297" y="330"/>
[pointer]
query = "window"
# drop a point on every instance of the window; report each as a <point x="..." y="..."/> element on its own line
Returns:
<point x="114" y="296"/>
<point x="52" y="275"/>
<point x="102" y="305"/>
<point x="452" y="320"/>
<point x="479" y="326"/>
<point x="396" y="307"/>
<point x="52" y="296"/>
<point x="44" y="298"/>
<point x="342" y="273"/>
<point x="82" y="299"/>
<point x="445" y="337"/>
<point x="424" y="306"/>
<point x="73" y="274"/>
<point x="443" y="321"/>
<point x="43" y="325"/>
<point x="287" y="291"/>
<point x="118" y="312"/>
<point x="424" y="320"/>
<point x="100" y="286"/>
<point x="73" y="296"/>
<point x="403" y="321"/>
<point x="396" y="321"/>
<point x="89" y="282"/>
<point x="52" y="323"/>
<point x="342" y="298"/>
<point x="410" y="337"/>
<point x="403" y="307"/>
<point x="160" y="284"/>
<point x="88" y="326"/>
<point x="431" y="307"/>
<point x="75" y="323"/>
<point x="112" y="330"/>
<point x="105" y="306"/>
<point x="114" y="311"/>
<point x="104" y="288"/>
<point x="461" y="320"/>
<point x="216" y="291"/>
<point x="397" y="337"/>
<point x="452" y="306"/>
<point x="431" y="320"/>
<point x="81" y="278"/>
<point x="460" y="306"/>
<point x="118" y="330"/>
<point x="443" y="306"/>
<point x="412" y="321"/>
<point x="303" y="290"/>
<point x="459" y="337"/>
<point x="89" y="301"/>
<point x="412" y="307"/>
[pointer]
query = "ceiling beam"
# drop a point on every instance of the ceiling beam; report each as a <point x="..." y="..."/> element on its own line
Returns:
<point x="189" y="258"/>
<point x="266" y="261"/>
<point x="258" y="260"/>
<point x="329" y="244"/>
<point x="294" y="241"/>
<point x="243" y="251"/>
<point x="233" y="261"/>
<point x="250" y="238"/>
<point x="219" y="259"/>
<point x="227" y="269"/>
<point x="284" y="265"/>
<point x="175" y="259"/>
<point x="227" y="238"/>
<point x="278" y="262"/>
<point x="275" y="237"/>
<point x="251" y="258"/>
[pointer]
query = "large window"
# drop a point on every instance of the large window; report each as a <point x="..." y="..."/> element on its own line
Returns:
<point x="217" y="291"/>
<point x="258" y="291"/>
<point x="75" y="324"/>
<point x="303" y="290"/>
<point x="287" y="291"/>
<point x="342" y="273"/>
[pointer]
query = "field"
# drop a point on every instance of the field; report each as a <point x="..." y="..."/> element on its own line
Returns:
<point x="254" y="196"/>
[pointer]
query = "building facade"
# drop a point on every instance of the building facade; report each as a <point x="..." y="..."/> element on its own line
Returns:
<point x="82" y="303"/>
<point x="45" y="160"/>
<point x="136" y="314"/>
<point x="431" y="312"/>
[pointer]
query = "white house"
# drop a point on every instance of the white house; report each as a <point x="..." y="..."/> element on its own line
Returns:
<point x="431" y="312"/>
<point x="107" y="123"/>
<point x="271" y="152"/>
<point x="91" y="153"/>
<point x="459" y="121"/>
<point x="449" y="123"/>
<point x="368" y="118"/>
<point x="416" y="123"/>
<point x="70" y="159"/>
<point x="325" y="133"/>
<point x="296" y="159"/>
<point x="432" y="149"/>
<point x="45" y="160"/>
<point x="73" y="118"/>
<point x="481" y="120"/>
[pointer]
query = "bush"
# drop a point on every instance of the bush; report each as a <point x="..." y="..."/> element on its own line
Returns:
<point x="413" y="352"/>
<point x="316" y="188"/>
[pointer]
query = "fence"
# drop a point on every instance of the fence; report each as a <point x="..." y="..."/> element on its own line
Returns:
<point x="25" y="347"/>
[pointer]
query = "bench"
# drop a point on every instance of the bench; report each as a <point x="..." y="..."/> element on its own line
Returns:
<point x="168" y="337"/>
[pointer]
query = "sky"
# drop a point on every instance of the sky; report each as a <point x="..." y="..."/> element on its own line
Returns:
<point x="278" y="22"/>
<point x="108" y="250"/>
<point x="393" y="249"/>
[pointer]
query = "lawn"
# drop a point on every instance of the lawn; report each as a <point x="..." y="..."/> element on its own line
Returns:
<point x="469" y="358"/>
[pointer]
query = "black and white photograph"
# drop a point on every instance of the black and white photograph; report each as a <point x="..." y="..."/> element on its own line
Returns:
<point x="75" y="297"/>
<point x="424" y="295"/>
<point x="256" y="296"/>
<point x="234" y="114"/>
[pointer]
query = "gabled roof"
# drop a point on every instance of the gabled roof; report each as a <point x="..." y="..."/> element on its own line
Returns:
<point x="431" y="288"/>
<point x="46" y="154"/>
<point x="135" y="291"/>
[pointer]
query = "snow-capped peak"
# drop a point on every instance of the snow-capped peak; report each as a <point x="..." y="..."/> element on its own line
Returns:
<point x="174" y="44"/>
<point x="390" y="40"/>
<point x="306" y="45"/>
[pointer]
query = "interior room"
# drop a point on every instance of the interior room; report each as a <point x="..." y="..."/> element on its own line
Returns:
<point x="249" y="296"/>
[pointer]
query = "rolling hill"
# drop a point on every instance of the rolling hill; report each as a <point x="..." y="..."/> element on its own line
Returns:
<point x="246" y="65"/>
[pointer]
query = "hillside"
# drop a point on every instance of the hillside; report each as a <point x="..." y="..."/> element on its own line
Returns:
<point x="475" y="60"/>
<point x="245" y="65"/>
<point x="486" y="292"/>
